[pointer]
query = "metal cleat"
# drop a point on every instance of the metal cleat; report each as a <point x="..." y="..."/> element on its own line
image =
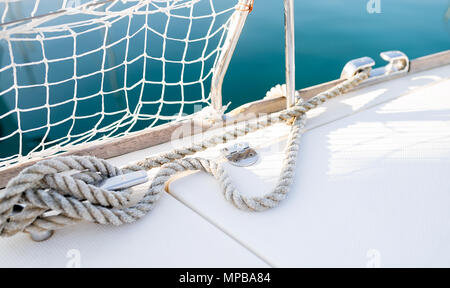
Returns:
<point x="398" y="66"/>
<point x="125" y="181"/>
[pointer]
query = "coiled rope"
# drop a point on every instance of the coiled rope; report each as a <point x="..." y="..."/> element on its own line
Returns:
<point x="52" y="199"/>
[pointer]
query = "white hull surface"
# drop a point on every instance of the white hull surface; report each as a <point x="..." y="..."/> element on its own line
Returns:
<point x="372" y="188"/>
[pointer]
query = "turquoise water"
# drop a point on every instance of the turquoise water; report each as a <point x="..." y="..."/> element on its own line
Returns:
<point x="328" y="34"/>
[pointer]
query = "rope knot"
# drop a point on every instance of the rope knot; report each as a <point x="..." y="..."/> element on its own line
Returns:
<point x="58" y="192"/>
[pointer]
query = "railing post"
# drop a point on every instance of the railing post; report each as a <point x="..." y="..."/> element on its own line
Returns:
<point x="237" y="21"/>
<point x="290" y="51"/>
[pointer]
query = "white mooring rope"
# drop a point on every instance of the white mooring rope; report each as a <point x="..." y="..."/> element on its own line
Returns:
<point x="53" y="200"/>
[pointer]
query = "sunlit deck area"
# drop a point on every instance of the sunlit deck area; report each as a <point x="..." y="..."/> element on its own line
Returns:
<point x="372" y="188"/>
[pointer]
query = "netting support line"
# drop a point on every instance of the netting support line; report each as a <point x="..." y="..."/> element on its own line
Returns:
<point x="289" y="30"/>
<point x="237" y="21"/>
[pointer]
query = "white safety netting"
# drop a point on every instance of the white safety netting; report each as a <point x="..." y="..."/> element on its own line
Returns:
<point x="74" y="71"/>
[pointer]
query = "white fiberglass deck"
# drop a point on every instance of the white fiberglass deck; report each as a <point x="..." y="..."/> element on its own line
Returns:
<point x="372" y="188"/>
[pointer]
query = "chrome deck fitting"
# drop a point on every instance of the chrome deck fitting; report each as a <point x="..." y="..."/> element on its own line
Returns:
<point x="240" y="154"/>
<point x="125" y="181"/>
<point x="398" y="66"/>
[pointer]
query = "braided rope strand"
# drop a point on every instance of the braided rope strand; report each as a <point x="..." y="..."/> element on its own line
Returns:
<point x="44" y="188"/>
<point x="250" y="126"/>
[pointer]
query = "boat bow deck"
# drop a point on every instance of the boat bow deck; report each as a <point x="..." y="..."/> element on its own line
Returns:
<point x="372" y="188"/>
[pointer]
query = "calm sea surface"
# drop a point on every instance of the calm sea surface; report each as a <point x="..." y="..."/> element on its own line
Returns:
<point x="328" y="34"/>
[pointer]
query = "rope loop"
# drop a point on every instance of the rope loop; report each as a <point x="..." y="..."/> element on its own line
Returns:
<point x="49" y="188"/>
<point x="62" y="191"/>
